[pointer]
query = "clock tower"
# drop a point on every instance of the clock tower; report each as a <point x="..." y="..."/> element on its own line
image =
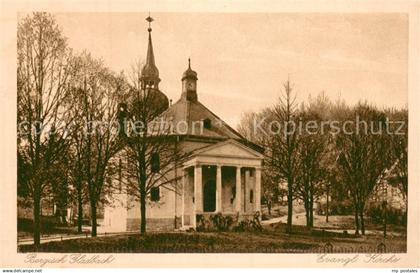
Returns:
<point x="189" y="84"/>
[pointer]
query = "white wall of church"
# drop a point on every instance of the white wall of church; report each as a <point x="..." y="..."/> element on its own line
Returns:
<point x="115" y="214"/>
<point x="164" y="208"/>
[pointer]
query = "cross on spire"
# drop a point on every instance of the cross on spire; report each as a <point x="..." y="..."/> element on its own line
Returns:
<point x="150" y="20"/>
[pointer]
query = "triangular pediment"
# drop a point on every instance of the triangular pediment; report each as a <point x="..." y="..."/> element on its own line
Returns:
<point x="230" y="148"/>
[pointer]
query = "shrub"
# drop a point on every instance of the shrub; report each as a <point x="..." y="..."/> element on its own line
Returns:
<point x="214" y="222"/>
<point x="393" y="216"/>
<point x="336" y="208"/>
<point x="249" y="225"/>
<point x="48" y="224"/>
<point x="220" y="222"/>
<point x="200" y="222"/>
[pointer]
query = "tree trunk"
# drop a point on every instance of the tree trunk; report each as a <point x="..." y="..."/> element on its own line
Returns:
<point x="307" y="213"/>
<point x="311" y="211"/>
<point x="143" y="205"/>
<point x="79" y="208"/>
<point x="93" y="216"/>
<point x="356" y="220"/>
<point x="362" y="221"/>
<point x="327" y="210"/>
<point x="385" y="218"/>
<point x="37" y="220"/>
<point x="406" y="211"/>
<point x="143" y="213"/>
<point x="289" y="206"/>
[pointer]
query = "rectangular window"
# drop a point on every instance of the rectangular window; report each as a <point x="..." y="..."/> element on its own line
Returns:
<point x="207" y="123"/>
<point x="155" y="194"/>
<point x="251" y="196"/>
<point x="155" y="163"/>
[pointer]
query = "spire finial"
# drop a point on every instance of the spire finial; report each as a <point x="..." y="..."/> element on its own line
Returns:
<point x="189" y="63"/>
<point x="150" y="20"/>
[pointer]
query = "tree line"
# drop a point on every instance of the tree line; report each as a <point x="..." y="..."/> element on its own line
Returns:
<point x="361" y="147"/>
<point x="74" y="136"/>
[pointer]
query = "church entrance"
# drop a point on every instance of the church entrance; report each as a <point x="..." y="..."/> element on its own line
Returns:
<point x="209" y="194"/>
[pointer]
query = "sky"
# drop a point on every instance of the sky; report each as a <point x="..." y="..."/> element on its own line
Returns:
<point x="243" y="59"/>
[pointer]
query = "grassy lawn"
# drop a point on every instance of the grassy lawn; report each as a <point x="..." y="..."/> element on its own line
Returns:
<point x="52" y="232"/>
<point x="48" y="228"/>
<point x="272" y="240"/>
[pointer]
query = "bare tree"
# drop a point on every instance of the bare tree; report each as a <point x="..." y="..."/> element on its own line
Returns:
<point x="399" y="138"/>
<point x="248" y="125"/>
<point x="78" y="178"/>
<point x="276" y="130"/>
<point x="96" y="92"/>
<point x="42" y="77"/>
<point x="76" y="154"/>
<point x="312" y="170"/>
<point x="399" y="152"/>
<point x="152" y="148"/>
<point x="282" y="145"/>
<point x="363" y="157"/>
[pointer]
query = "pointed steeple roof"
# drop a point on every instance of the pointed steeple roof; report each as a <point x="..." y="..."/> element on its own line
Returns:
<point x="149" y="78"/>
<point x="150" y="70"/>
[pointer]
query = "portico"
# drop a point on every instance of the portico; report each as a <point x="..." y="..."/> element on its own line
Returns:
<point x="222" y="178"/>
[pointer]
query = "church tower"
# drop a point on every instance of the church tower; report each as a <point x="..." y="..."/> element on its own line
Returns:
<point x="189" y="84"/>
<point x="150" y="73"/>
<point x="149" y="77"/>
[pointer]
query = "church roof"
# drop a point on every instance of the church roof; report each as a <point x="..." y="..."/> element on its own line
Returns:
<point x="200" y="120"/>
<point x="236" y="148"/>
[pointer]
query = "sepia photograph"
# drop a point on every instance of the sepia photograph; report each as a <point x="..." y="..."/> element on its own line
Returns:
<point x="276" y="133"/>
<point x="222" y="131"/>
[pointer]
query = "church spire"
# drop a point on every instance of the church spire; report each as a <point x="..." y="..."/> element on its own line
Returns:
<point x="150" y="73"/>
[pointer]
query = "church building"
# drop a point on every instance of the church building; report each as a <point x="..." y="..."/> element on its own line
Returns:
<point x="221" y="176"/>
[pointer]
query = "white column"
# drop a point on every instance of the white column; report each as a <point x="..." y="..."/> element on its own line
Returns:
<point x="219" y="189"/>
<point x="258" y="189"/>
<point x="198" y="192"/>
<point x="246" y="194"/>
<point x="183" y="197"/>
<point x="238" y="194"/>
